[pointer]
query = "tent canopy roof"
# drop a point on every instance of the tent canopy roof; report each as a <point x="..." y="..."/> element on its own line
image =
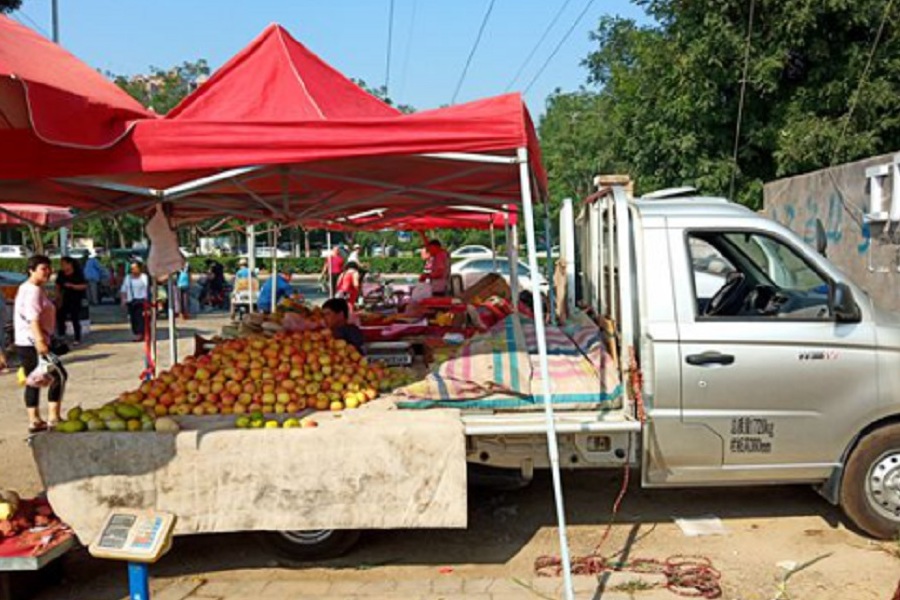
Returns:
<point x="277" y="134"/>
<point x="276" y="79"/>
<point x="60" y="100"/>
<point x="15" y="215"/>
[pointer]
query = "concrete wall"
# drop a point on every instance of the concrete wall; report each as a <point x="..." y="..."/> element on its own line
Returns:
<point x="839" y="197"/>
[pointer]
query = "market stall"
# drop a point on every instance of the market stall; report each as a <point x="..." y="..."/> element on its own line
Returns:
<point x="304" y="145"/>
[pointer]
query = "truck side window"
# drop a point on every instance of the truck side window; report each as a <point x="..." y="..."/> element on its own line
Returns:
<point x="753" y="275"/>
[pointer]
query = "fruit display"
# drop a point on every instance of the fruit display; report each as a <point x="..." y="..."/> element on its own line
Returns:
<point x="18" y="516"/>
<point x="397" y="377"/>
<point x="113" y="416"/>
<point x="257" y="420"/>
<point x="282" y="374"/>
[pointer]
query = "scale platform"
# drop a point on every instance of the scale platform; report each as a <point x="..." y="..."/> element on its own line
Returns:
<point x="391" y="353"/>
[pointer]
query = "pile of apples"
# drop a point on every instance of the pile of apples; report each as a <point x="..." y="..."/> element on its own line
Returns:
<point x="284" y="374"/>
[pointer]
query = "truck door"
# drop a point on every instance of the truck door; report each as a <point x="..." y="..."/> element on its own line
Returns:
<point x="768" y="375"/>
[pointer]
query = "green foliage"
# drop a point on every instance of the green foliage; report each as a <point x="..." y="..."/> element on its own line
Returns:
<point x="7" y="6"/>
<point x="663" y="99"/>
<point x="162" y="89"/>
<point x="381" y="93"/>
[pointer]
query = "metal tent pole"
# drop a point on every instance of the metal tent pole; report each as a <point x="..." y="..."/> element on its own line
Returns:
<point x="540" y="334"/>
<point x="251" y="263"/>
<point x="330" y="273"/>
<point x="173" y="336"/>
<point x="273" y="235"/>
<point x="549" y="258"/>
<point x="493" y="246"/>
<point x="512" y="252"/>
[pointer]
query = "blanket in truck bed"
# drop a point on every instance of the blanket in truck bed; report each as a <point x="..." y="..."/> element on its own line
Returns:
<point x="500" y="369"/>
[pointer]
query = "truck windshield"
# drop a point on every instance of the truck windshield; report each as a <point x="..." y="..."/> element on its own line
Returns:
<point x="752" y="274"/>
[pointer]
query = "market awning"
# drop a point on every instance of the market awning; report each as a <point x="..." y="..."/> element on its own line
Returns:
<point x="49" y="97"/>
<point x="15" y="215"/>
<point x="316" y="148"/>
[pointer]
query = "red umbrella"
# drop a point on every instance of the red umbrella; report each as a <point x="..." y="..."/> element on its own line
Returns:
<point x="15" y="215"/>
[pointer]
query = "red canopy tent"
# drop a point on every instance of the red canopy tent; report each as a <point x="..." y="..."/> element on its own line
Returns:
<point x="16" y="215"/>
<point x="276" y="135"/>
<point x="279" y="126"/>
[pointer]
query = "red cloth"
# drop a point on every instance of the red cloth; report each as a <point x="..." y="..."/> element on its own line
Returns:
<point x="348" y="287"/>
<point x="337" y="263"/>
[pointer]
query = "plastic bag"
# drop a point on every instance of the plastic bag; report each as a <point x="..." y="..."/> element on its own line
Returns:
<point x="45" y="372"/>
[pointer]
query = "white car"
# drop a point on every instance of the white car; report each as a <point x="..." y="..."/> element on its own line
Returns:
<point x="7" y="251"/>
<point x="267" y="251"/>
<point x="471" y="251"/>
<point x="473" y="269"/>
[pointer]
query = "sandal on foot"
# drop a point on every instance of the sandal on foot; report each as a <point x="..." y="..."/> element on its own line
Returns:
<point x="37" y="426"/>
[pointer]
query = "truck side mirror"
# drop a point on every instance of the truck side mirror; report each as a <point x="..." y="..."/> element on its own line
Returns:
<point x="843" y="306"/>
<point x="821" y="238"/>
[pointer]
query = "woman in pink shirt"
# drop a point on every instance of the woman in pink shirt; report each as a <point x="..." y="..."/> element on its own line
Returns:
<point x="35" y="317"/>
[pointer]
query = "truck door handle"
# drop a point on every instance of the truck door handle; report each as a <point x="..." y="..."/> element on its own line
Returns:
<point x="710" y="358"/>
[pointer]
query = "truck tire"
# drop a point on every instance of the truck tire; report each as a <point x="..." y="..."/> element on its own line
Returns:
<point x="870" y="490"/>
<point x="313" y="545"/>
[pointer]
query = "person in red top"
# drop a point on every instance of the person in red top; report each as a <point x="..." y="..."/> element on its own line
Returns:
<point x="348" y="284"/>
<point x="334" y="264"/>
<point x="437" y="268"/>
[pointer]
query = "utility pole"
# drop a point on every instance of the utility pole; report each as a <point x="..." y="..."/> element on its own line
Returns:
<point x="54" y="18"/>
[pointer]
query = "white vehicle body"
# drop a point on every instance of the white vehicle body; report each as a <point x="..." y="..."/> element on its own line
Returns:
<point x="473" y="269"/>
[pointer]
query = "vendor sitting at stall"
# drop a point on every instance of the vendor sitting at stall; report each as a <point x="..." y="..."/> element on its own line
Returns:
<point x="336" y="311"/>
<point x="243" y="271"/>
<point x="437" y="267"/>
<point x="282" y="283"/>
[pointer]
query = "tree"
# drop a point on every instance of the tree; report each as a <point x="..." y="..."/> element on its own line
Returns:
<point x="667" y="95"/>
<point x="381" y="93"/>
<point x="7" y="6"/>
<point x="163" y="89"/>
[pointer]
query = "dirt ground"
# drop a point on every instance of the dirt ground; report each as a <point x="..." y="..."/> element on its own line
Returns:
<point x="765" y="527"/>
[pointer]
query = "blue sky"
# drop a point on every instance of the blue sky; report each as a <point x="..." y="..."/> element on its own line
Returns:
<point x="428" y="53"/>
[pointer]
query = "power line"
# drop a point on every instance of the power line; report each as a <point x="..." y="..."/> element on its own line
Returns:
<point x="740" y="115"/>
<point x="462" y="77"/>
<point x="33" y="23"/>
<point x="387" y="74"/>
<point x="862" y="81"/>
<point x="409" y="35"/>
<point x="538" y="44"/>
<point x="558" y="46"/>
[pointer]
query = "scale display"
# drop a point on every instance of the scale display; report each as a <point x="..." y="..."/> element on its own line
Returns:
<point x="134" y="536"/>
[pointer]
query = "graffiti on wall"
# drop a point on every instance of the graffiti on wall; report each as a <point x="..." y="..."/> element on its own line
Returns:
<point x="832" y="215"/>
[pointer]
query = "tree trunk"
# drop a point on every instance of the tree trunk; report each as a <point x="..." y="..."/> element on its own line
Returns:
<point x="36" y="239"/>
<point x="117" y="225"/>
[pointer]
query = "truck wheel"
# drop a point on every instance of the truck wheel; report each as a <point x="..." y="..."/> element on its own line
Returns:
<point x="311" y="545"/>
<point x="870" y="491"/>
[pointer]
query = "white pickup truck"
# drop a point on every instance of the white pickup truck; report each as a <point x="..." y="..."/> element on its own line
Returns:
<point x="761" y="363"/>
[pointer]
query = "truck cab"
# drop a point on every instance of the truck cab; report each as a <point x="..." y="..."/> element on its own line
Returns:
<point x="762" y="362"/>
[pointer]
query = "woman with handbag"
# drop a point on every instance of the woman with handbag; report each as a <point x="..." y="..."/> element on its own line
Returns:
<point x="135" y="293"/>
<point x="70" y="291"/>
<point x="35" y="317"/>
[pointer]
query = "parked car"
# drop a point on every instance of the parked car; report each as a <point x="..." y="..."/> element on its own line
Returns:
<point x="471" y="251"/>
<point x="473" y="269"/>
<point x="268" y="251"/>
<point x="10" y="251"/>
<point x="383" y="251"/>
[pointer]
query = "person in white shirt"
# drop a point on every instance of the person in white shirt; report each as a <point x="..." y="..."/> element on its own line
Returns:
<point x="353" y="257"/>
<point x="135" y="292"/>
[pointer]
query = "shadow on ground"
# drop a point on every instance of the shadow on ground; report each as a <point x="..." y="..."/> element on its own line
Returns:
<point x="501" y="525"/>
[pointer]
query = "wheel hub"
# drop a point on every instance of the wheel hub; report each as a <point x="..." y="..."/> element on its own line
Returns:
<point x="883" y="485"/>
<point x="307" y="537"/>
